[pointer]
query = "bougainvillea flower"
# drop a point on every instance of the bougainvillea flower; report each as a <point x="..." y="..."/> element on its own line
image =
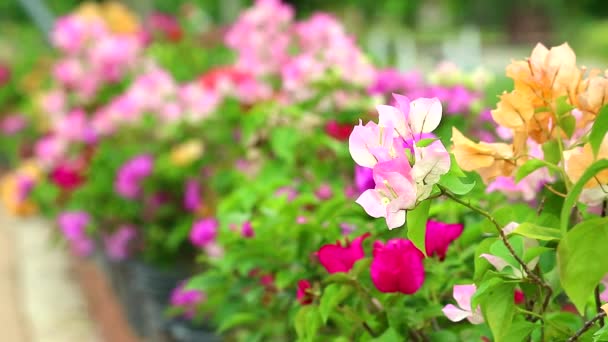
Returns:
<point x="395" y="192"/>
<point x="371" y="144"/>
<point x="439" y="236"/>
<point x="337" y="130"/>
<point x="117" y="244"/>
<point x="247" y="230"/>
<point x="337" y="258"/>
<point x="577" y="161"/>
<point x="432" y="162"/>
<point x="519" y="297"/>
<point x="324" y="192"/>
<point x="490" y="160"/>
<point x="303" y="294"/>
<point x="514" y="110"/>
<point x="364" y="178"/>
<point x="131" y="174"/>
<point x="397" y="267"/>
<point x="463" y="295"/>
<point x="192" y="197"/>
<point x="186" y="299"/>
<point x="204" y="232"/>
<point x="66" y="176"/>
<point x="73" y="227"/>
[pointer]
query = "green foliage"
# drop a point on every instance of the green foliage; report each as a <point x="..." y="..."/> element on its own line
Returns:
<point x="416" y="224"/>
<point x="598" y="131"/>
<point x="582" y="262"/>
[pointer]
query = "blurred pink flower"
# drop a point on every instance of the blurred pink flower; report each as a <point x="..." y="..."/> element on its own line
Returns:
<point x="13" y="124"/>
<point x="324" y="192"/>
<point x="247" y="230"/>
<point x="66" y="176"/>
<point x="73" y="227"/>
<point x="117" y="244"/>
<point x="186" y="299"/>
<point x="50" y="150"/>
<point x="192" y="197"/>
<point x="397" y="267"/>
<point x="439" y="236"/>
<point x="130" y="175"/>
<point x="337" y="258"/>
<point x="204" y="232"/>
<point x="302" y="294"/>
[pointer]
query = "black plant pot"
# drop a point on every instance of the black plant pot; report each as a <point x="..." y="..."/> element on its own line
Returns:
<point x="150" y="289"/>
<point x="184" y="331"/>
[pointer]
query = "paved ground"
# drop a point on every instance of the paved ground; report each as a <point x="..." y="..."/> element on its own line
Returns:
<point x="40" y="299"/>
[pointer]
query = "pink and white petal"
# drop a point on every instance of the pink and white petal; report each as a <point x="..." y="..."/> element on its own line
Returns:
<point x="498" y="262"/>
<point x="510" y="227"/>
<point x="425" y="115"/>
<point x="395" y="219"/>
<point x="390" y="116"/>
<point x="455" y="314"/>
<point x="371" y="201"/>
<point x="358" y="146"/>
<point x="463" y="294"/>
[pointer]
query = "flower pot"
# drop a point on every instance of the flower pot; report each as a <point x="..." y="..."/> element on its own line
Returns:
<point x="184" y="331"/>
<point x="150" y="290"/>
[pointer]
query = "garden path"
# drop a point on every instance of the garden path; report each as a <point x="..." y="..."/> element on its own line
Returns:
<point x="40" y="299"/>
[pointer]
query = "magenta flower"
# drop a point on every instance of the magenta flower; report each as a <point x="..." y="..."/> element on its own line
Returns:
<point x="25" y="185"/>
<point x="247" y="230"/>
<point x="397" y="267"/>
<point x="364" y="178"/>
<point x="192" y="197"/>
<point x="395" y="192"/>
<point x="438" y="237"/>
<point x="117" y="244"/>
<point x="73" y="226"/>
<point x="289" y="191"/>
<point x="302" y="294"/>
<point x="463" y="295"/>
<point x="131" y="174"/>
<point x="66" y="176"/>
<point x="337" y="258"/>
<point x="204" y="232"/>
<point x="187" y="300"/>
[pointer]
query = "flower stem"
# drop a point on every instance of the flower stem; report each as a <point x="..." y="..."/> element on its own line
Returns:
<point x="535" y="278"/>
<point x="587" y="326"/>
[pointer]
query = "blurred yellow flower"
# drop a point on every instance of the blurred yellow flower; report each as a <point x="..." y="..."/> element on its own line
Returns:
<point x="186" y="153"/>
<point x="117" y="17"/>
<point x="15" y="187"/>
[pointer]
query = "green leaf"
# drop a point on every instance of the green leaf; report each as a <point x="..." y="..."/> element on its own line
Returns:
<point x="576" y="190"/>
<point x="455" y="168"/>
<point x="238" y="319"/>
<point x="534" y="231"/>
<point x="498" y="308"/>
<point x="562" y="106"/>
<point x="307" y="322"/>
<point x="568" y="124"/>
<point x="389" y="335"/>
<point x="425" y="142"/>
<point x="519" y="331"/>
<point x="416" y="224"/>
<point x="455" y="184"/>
<point x="599" y="129"/>
<point x="283" y="142"/>
<point x="601" y="335"/>
<point x="551" y="151"/>
<point x="582" y="260"/>
<point x="332" y="296"/>
<point x="529" y="167"/>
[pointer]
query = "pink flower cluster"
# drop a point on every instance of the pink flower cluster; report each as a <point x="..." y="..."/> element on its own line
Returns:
<point x="73" y="226"/>
<point x="404" y="173"/>
<point x="457" y="99"/>
<point x="269" y="42"/>
<point x="93" y="56"/>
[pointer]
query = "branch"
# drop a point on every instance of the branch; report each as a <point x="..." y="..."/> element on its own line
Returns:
<point x="535" y="278"/>
<point x="587" y="326"/>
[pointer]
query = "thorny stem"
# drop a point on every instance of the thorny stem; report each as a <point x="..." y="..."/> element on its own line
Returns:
<point x="587" y="326"/>
<point x="533" y="276"/>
